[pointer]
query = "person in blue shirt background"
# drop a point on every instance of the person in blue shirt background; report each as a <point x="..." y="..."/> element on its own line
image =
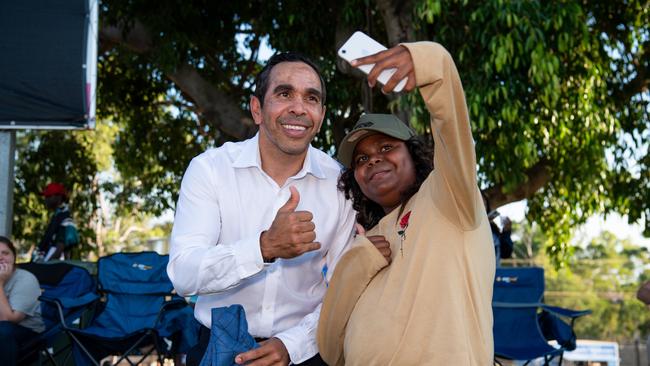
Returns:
<point x="503" y="244"/>
<point x="61" y="234"/>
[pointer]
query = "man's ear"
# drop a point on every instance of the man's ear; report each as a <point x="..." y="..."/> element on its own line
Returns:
<point x="322" y="118"/>
<point x="256" y="110"/>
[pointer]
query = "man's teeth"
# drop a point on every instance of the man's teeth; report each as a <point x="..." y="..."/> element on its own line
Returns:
<point x="294" y="127"/>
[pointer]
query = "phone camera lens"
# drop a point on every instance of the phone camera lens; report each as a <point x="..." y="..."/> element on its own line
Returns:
<point x="343" y="51"/>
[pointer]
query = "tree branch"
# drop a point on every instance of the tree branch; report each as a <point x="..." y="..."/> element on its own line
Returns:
<point x="135" y="38"/>
<point x="213" y="105"/>
<point x="398" y="18"/>
<point x="131" y="229"/>
<point x="641" y="81"/>
<point x="538" y="175"/>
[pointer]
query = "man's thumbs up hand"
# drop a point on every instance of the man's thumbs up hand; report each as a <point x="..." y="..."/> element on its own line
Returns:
<point x="292" y="202"/>
<point x="291" y="233"/>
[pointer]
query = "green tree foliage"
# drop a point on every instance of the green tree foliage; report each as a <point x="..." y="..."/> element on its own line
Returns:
<point x="549" y="88"/>
<point x="553" y="89"/>
<point x="84" y="162"/>
<point x="44" y="157"/>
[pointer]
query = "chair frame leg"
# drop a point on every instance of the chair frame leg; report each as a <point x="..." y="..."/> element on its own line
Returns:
<point x="125" y="355"/>
<point x="83" y="348"/>
<point x="49" y="356"/>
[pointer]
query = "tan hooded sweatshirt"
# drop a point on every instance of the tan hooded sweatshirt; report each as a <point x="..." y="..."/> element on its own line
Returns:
<point x="432" y="305"/>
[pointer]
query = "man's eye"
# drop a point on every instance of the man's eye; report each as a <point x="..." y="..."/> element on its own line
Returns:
<point x="284" y="94"/>
<point x="386" y="148"/>
<point x="313" y="99"/>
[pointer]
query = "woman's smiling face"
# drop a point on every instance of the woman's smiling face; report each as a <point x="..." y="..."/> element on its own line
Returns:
<point x="6" y="255"/>
<point x="383" y="168"/>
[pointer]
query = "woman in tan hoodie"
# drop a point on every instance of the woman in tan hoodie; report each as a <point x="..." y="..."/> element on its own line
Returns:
<point x="432" y="305"/>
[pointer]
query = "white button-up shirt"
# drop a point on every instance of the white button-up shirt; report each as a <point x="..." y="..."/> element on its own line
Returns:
<point x="225" y="203"/>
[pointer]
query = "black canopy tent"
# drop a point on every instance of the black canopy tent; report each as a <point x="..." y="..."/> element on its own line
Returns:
<point x="48" y="76"/>
<point x="48" y="64"/>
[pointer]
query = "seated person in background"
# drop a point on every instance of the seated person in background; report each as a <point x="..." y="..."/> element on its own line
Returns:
<point x="20" y="310"/>
<point x="432" y="304"/>
<point x="501" y="238"/>
<point x="61" y="233"/>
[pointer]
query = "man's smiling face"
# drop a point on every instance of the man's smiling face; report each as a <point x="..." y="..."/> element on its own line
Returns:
<point x="292" y="112"/>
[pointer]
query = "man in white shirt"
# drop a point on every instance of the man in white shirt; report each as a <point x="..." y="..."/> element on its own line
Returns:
<point x="261" y="223"/>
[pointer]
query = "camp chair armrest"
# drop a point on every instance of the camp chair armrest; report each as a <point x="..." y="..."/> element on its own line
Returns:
<point x="500" y="304"/>
<point x="71" y="302"/>
<point x="174" y="304"/>
<point x="569" y="313"/>
<point x="84" y="300"/>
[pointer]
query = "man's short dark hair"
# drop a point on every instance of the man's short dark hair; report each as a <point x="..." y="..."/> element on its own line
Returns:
<point x="262" y="79"/>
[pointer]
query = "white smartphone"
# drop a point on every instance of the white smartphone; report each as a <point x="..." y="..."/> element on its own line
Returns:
<point x="361" y="45"/>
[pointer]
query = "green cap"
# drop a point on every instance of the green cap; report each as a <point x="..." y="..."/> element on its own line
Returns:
<point x="371" y="124"/>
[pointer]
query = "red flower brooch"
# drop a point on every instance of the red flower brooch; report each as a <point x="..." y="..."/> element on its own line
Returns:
<point x="403" y="224"/>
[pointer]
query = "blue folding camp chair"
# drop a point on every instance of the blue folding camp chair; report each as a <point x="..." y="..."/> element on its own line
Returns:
<point x="66" y="292"/>
<point x="139" y="313"/>
<point x="523" y="325"/>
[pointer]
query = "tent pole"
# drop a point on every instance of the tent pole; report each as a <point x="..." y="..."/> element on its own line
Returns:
<point x="7" y="157"/>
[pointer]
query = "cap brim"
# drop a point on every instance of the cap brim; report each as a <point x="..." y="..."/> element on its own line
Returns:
<point x="349" y="143"/>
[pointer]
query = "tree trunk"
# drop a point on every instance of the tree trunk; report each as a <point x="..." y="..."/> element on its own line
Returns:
<point x="214" y="106"/>
<point x="398" y="20"/>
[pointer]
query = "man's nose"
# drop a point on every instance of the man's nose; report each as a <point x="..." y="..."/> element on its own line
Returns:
<point x="298" y="106"/>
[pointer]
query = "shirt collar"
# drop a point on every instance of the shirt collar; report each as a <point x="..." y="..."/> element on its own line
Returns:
<point x="249" y="156"/>
<point x="63" y="208"/>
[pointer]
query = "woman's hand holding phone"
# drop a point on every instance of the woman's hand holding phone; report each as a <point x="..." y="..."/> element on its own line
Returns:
<point x="362" y="52"/>
<point x="398" y="58"/>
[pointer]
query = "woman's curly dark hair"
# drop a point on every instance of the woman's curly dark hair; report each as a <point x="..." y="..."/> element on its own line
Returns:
<point x="369" y="212"/>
